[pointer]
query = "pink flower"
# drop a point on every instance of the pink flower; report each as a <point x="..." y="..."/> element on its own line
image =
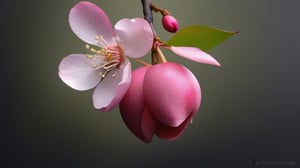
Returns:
<point x="170" y="23"/>
<point x="161" y="100"/>
<point x="108" y="69"/>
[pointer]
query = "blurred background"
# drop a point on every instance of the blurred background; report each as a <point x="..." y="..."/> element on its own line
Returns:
<point x="249" y="116"/>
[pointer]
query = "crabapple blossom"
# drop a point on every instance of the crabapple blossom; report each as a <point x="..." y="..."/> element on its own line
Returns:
<point x="108" y="68"/>
<point x="161" y="100"/>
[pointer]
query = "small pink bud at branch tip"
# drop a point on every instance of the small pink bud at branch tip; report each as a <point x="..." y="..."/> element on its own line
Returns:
<point x="170" y="23"/>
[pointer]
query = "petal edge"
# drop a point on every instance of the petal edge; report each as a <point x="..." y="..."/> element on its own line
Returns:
<point x="135" y="36"/>
<point x="87" y="21"/>
<point x="75" y="71"/>
<point x="195" y="54"/>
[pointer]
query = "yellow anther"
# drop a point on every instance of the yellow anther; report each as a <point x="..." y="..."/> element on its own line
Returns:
<point x="91" y="49"/>
<point x="98" y="37"/>
<point x="108" y="56"/>
<point x="90" y="56"/>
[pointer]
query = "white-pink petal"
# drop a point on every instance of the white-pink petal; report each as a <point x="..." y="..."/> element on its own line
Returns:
<point x="77" y="72"/>
<point x="195" y="54"/>
<point x="135" y="36"/>
<point x="112" y="88"/>
<point x="87" y="21"/>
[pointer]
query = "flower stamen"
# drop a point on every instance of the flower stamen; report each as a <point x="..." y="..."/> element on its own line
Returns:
<point x="101" y="41"/>
<point x="110" y="56"/>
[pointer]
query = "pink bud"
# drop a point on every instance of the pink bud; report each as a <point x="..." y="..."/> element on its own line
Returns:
<point x="170" y="23"/>
<point x="132" y="106"/>
<point x="161" y="100"/>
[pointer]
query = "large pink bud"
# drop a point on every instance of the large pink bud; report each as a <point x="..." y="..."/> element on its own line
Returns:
<point x="161" y="100"/>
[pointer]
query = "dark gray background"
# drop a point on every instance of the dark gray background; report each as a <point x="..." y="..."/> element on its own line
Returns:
<point x="249" y="116"/>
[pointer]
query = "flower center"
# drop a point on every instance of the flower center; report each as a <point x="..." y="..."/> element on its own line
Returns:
<point x="106" y="59"/>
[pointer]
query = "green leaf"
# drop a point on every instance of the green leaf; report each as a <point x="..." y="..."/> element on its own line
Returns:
<point x="199" y="36"/>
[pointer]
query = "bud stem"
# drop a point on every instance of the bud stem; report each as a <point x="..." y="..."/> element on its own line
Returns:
<point x="156" y="8"/>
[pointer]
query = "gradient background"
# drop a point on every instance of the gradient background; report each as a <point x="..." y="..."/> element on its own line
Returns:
<point x="250" y="109"/>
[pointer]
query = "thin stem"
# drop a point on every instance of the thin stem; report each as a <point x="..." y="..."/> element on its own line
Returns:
<point x="143" y="62"/>
<point x="154" y="57"/>
<point x="148" y="15"/>
<point x="156" y="54"/>
<point x="161" y="56"/>
<point x="147" y="10"/>
<point x="156" y="8"/>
